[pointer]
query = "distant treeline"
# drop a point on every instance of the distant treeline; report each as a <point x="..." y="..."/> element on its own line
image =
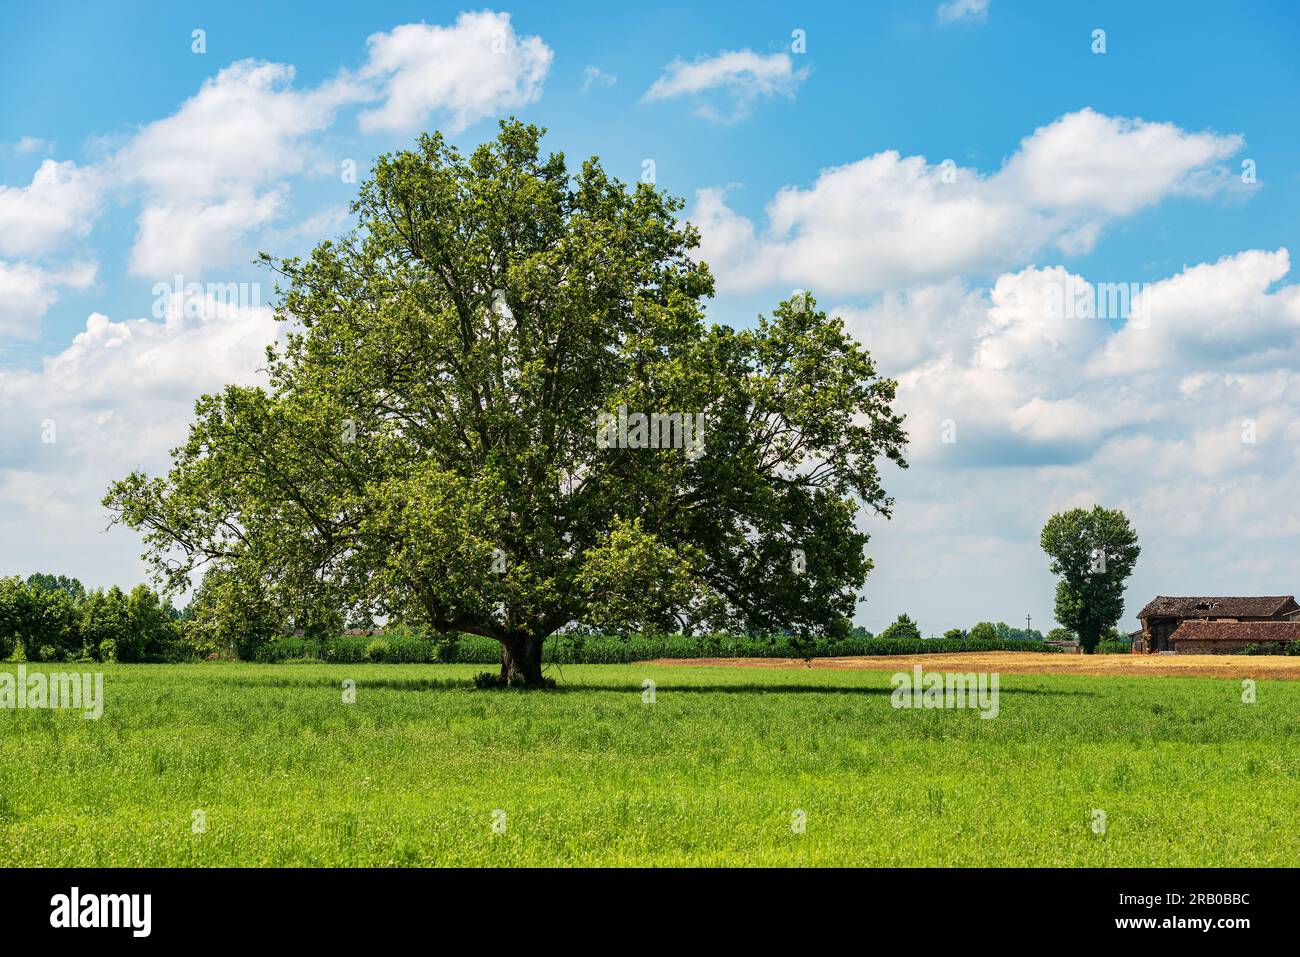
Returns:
<point x="404" y="647"/>
<point x="55" y="618"/>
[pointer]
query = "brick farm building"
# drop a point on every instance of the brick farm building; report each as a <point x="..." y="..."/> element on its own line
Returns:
<point x="1215" y="626"/>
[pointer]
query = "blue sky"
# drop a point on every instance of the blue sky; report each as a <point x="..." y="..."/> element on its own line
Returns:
<point x="784" y="158"/>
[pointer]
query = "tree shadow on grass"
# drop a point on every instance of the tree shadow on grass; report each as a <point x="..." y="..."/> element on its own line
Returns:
<point x="391" y="684"/>
<point x="800" y="689"/>
<point x="466" y="684"/>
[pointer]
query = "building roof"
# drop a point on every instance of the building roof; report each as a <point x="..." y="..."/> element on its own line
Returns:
<point x="1201" y="607"/>
<point x="1244" y="631"/>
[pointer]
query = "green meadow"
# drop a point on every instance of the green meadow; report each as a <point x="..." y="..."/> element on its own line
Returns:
<point x="423" y="769"/>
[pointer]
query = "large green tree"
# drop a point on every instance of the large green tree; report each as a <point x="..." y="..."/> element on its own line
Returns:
<point x="1094" y="552"/>
<point x="430" y="445"/>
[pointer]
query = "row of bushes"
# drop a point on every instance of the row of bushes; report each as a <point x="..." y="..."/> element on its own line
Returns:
<point x="54" y="618"/>
<point x="1114" y="647"/>
<point x="351" y="649"/>
<point x="1255" y="648"/>
<point x="411" y="648"/>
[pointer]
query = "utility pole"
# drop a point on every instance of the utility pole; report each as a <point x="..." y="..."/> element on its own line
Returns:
<point x="1027" y="634"/>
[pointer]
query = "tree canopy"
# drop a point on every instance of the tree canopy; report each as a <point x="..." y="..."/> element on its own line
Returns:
<point x="436" y="438"/>
<point x="1094" y="553"/>
<point x="53" y="618"/>
<point x="903" y="628"/>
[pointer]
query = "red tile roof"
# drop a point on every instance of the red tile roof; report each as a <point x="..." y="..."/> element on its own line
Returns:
<point x="1203" y="607"/>
<point x="1244" y="631"/>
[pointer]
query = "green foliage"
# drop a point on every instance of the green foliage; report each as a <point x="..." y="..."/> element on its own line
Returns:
<point x="230" y="616"/>
<point x="984" y="631"/>
<point x="903" y="629"/>
<point x="54" y="627"/>
<point x="42" y="614"/>
<point x="17" y="614"/>
<point x="106" y="627"/>
<point x="1061" y="634"/>
<point x="568" y="648"/>
<point x="46" y="582"/>
<point x="1271" y="648"/>
<point x="391" y="648"/>
<point x="1008" y="633"/>
<point x="955" y="634"/>
<point x="53" y="618"/>
<point x="631" y="581"/>
<point x="426" y="449"/>
<point x="446" y="647"/>
<point x="153" y="626"/>
<point x="1093" y="552"/>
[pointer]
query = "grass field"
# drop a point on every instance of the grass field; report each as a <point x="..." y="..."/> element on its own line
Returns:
<point x="710" y="773"/>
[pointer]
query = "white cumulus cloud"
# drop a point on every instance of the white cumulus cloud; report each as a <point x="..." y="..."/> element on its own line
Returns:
<point x="27" y="292"/>
<point x="957" y="11"/>
<point x="892" y="221"/>
<point x="740" y="78"/>
<point x="59" y="204"/>
<point x="117" y="398"/>
<point x="459" y="74"/>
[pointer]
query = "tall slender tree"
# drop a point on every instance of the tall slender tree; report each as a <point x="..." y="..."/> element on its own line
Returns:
<point x="1094" y="553"/>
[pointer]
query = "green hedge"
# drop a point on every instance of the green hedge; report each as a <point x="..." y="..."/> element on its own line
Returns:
<point x="607" y="649"/>
<point x="1114" y="647"/>
<point x="355" y="649"/>
<point x="1272" y="648"/>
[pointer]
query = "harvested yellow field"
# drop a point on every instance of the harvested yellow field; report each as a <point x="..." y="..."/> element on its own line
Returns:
<point x="1034" y="663"/>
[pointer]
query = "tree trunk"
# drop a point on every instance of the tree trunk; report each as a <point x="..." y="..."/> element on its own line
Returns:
<point x="521" y="661"/>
